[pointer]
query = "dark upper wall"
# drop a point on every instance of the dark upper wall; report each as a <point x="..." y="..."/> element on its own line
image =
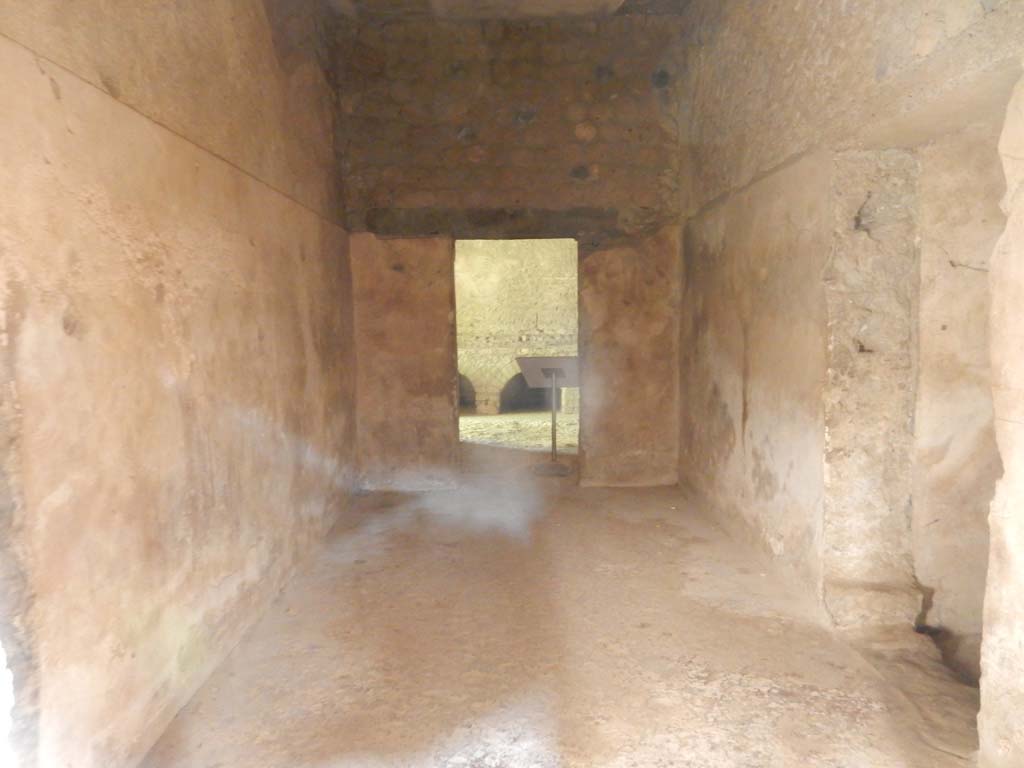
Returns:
<point x="508" y="128"/>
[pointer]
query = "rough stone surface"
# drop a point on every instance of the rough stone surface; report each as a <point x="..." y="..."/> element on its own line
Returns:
<point x="512" y="297"/>
<point x="843" y="77"/>
<point x="834" y="73"/>
<point x="407" y="406"/>
<point x="629" y="362"/>
<point x="438" y="118"/>
<point x="753" y="358"/>
<point x="1002" y="689"/>
<point x="178" y="412"/>
<point x="871" y="290"/>
<point x="956" y="462"/>
<point x="534" y="625"/>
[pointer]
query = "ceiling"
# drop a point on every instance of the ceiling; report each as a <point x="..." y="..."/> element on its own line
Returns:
<point x="498" y="9"/>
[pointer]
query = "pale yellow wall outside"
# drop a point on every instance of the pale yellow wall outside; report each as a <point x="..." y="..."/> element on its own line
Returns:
<point x="513" y="297"/>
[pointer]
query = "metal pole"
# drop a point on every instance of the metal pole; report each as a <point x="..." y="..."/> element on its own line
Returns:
<point x="554" y="428"/>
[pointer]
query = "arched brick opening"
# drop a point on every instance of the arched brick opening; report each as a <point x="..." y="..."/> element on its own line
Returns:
<point x="467" y="393"/>
<point x="518" y="396"/>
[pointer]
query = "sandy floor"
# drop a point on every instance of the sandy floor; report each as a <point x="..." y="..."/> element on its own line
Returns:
<point x="527" y="431"/>
<point x="522" y="622"/>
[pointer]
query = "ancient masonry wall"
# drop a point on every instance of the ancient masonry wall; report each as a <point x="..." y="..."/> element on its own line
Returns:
<point x="407" y="412"/>
<point x="871" y="293"/>
<point x="176" y="352"/>
<point x="457" y="124"/>
<point x="906" y="92"/>
<point x="956" y="461"/>
<point x="629" y="361"/>
<point x="753" y="359"/>
<point x="1002" y="690"/>
<point x="876" y="75"/>
<point x="554" y="129"/>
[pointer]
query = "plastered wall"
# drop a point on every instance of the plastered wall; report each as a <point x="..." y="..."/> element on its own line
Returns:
<point x="629" y="353"/>
<point x="405" y="343"/>
<point x="513" y="297"/>
<point x="405" y="340"/>
<point x="753" y="360"/>
<point x="177" y="357"/>
<point x="239" y="78"/>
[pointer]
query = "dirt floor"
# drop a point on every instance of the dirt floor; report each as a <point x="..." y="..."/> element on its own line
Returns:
<point x="522" y="622"/>
<point x="526" y="431"/>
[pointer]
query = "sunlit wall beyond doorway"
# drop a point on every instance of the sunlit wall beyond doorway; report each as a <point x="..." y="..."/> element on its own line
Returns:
<point x="514" y="298"/>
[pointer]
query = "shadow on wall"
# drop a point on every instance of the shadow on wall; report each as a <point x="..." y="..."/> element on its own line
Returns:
<point x="517" y="396"/>
<point x="467" y="393"/>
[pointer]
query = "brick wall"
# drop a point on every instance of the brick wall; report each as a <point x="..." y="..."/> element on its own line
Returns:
<point x="537" y="127"/>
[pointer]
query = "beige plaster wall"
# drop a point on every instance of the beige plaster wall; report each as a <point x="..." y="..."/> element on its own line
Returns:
<point x="629" y="362"/>
<point x="753" y="360"/>
<point x="239" y="78"/>
<point x="1002" y="684"/>
<point x="408" y="427"/>
<point x="177" y="359"/>
<point x="956" y="461"/>
<point x="513" y="297"/>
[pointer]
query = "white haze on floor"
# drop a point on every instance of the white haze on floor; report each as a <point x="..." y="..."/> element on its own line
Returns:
<point x="479" y="506"/>
<point x="485" y="505"/>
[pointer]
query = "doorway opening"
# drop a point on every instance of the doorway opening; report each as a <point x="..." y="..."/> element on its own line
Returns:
<point x="515" y="298"/>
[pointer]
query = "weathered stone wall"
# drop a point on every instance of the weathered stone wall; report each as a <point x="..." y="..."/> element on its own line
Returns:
<point x="1002" y="688"/>
<point x="407" y="409"/>
<point x="845" y="78"/>
<point x="764" y="82"/>
<point x="178" y="389"/>
<point x="871" y="294"/>
<point x="629" y="362"/>
<point x="540" y="127"/>
<point x="513" y="297"/>
<point x="956" y="462"/>
<point x="753" y="360"/>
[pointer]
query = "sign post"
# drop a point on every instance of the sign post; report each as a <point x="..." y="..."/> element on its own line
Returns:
<point x="554" y="373"/>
